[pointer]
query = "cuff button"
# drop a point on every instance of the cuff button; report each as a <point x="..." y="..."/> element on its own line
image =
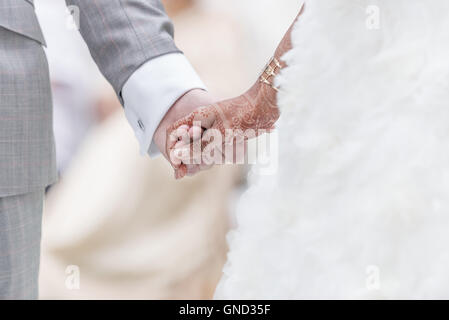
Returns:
<point x="141" y="126"/>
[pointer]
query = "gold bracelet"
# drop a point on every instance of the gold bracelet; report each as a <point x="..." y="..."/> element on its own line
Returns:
<point x="270" y="72"/>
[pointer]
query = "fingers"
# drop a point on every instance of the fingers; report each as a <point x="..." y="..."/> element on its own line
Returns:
<point x="178" y="135"/>
<point x="189" y="157"/>
<point x="183" y="145"/>
<point x="204" y="117"/>
<point x="180" y="172"/>
<point x="176" y="154"/>
<point x="195" y="133"/>
<point x="189" y="154"/>
<point x="213" y="149"/>
<point x="178" y="138"/>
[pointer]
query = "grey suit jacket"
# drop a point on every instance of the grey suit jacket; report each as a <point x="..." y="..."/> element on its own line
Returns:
<point x="121" y="36"/>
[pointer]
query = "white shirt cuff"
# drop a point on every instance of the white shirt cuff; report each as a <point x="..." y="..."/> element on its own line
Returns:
<point x="152" y="90"/>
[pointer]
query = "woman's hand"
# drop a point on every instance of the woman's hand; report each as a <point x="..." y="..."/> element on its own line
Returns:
<point x="201" y="139"/>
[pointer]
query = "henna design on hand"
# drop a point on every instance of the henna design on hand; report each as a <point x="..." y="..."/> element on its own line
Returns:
<point x="254" y="110"/>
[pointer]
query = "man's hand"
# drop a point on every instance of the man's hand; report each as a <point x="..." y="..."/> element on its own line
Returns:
<point x="184" y="106"/>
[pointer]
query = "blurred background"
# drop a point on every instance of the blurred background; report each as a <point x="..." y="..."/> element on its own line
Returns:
<point x="117" y="225"/>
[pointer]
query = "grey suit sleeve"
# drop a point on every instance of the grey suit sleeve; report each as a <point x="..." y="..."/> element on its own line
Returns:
<point x="124" y="34"/>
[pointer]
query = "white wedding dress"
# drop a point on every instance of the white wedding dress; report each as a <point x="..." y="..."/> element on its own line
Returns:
<point x="359" y="204"/>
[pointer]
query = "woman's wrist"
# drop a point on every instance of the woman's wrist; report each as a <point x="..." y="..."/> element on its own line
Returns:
<point x="261" y="111"/>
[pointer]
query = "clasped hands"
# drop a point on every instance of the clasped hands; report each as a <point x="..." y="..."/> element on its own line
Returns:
<point x="214" y="132"/>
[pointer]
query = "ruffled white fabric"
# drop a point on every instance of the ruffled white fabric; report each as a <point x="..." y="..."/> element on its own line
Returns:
<point x="359" y="204"/>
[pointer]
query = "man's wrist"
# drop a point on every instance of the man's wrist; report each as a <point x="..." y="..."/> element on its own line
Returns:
<point x="152" y="90"/>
